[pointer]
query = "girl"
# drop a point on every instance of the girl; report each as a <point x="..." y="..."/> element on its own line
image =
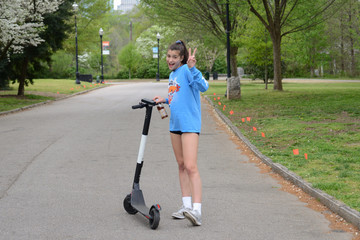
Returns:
<point x="185" y="85"/>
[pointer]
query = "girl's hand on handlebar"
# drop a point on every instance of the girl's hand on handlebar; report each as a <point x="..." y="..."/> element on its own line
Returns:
<point x="159" y="99"/>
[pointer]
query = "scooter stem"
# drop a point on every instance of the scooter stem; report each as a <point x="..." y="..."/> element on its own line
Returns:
<point x="147" y="120"/>
<point x="140" y="158"/>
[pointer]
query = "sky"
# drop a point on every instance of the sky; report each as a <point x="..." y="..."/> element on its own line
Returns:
<point x="116" y="2"/>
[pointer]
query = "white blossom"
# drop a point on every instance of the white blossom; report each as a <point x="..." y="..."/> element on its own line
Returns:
<point x="21" y="21"/>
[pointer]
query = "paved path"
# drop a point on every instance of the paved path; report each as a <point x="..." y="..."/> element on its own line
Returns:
<point x="66" y="167"/>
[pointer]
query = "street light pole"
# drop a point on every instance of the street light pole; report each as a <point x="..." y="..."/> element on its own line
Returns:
<point x="77" y="81"/>
<point x="228" y="39"/>
<point x="158" y="71"/>
<point x="101" y="32"/>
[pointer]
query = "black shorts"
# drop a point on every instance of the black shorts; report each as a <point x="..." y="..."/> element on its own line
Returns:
<point x="180" y="132"/>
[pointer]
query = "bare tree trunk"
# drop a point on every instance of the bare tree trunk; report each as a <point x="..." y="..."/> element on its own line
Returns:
<point x="233" y="61"/>
<point x="353" y="60"/>
<point x="22" y="77"/>
<point x="266" y="76"/>
<point x="334" y="66"/>
<point x="277" y="62"/>
<point x="312" y="61"/>
<point x="342" y="51"/>
<point x="352" y="50"/>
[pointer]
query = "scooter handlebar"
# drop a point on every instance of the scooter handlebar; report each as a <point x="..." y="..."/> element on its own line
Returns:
<point x="140" y="105"/>
<point x="148" y="101"/>
<point x="144" y="102"/>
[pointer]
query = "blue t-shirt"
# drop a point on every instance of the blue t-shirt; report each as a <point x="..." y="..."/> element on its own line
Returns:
<point x="184" y="90"/>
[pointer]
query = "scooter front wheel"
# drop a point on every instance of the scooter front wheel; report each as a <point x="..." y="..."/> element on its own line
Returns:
<point x="127" y="205"/>
<point x="155" y="218"/>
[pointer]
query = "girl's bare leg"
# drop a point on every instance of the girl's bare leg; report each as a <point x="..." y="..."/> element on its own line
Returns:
<point x="183" y="175"/>
<point x="190" y="142"/>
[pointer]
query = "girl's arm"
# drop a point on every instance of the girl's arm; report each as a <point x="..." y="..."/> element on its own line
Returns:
<point x="198" y="81"/>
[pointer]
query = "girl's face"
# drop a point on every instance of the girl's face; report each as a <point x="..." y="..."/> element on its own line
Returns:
<point x="174" y="59"/>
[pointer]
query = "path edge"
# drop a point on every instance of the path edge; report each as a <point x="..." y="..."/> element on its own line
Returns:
<point x="49" y="101"/>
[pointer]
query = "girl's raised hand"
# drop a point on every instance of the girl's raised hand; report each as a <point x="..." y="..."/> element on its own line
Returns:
<point x="192" y="60"/>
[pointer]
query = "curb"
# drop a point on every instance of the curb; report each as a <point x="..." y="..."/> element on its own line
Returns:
<point x="350" y="215"/>
<point x="49" y="101"/>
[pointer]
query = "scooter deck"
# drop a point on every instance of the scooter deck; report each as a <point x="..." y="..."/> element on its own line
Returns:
<point x="138" y="202"/>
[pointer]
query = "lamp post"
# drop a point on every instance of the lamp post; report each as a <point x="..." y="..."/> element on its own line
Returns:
<point x="158" y="71"/>
<point x="228" y="40"/>
<point x="101" y="33"/>
<point x="77" y="81"/>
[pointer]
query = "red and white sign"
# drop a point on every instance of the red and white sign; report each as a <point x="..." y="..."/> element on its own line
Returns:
<point x="106" y="47"/>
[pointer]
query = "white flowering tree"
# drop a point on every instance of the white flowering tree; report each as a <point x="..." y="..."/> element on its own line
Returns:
<point x="21" y="21"/>
<point x="147" y="40"/>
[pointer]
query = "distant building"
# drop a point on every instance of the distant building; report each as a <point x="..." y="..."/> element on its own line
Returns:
<point x="126" y="5"/>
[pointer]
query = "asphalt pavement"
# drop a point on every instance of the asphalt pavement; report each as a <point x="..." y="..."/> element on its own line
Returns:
<point x="65" y="168"/>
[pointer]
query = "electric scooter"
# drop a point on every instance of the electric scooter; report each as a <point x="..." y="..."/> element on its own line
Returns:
<point x="135" y="202"/>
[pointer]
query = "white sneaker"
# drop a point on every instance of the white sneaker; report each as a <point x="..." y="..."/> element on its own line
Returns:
<point x="179" y="214"/>
<point x="194" y="216"/>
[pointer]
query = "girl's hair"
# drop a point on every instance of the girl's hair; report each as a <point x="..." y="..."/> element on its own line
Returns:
<point x="179" y="45"/>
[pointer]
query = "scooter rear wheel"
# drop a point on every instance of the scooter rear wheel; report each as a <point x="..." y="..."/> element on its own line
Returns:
<point x="155" y="218"/>
<point x="127" y="205"/>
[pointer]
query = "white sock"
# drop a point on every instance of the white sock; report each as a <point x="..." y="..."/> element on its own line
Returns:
<point x="187" y="202"/>
<point x="197" y="206"/>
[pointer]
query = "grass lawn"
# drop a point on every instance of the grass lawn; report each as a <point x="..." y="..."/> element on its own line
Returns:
<point x="42" y="90"/>
<point x="321" y="120"/>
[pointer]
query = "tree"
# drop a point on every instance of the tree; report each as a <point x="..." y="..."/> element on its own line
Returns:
<point x="61" y="65"/>
<point x="129" y="58"/>
<point x="118" y="35"/>
<point x="344" y="33"/>
<point x="352" y="11"/>
<point x="196" y="17"/>
<point x="21" y="22"/>
<point x="283" y="17"/>
<point x="256" y="50"/>
<point x="24" y="65"/>
<point x="147" y="40"/>
<point x="305" y="52"/>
